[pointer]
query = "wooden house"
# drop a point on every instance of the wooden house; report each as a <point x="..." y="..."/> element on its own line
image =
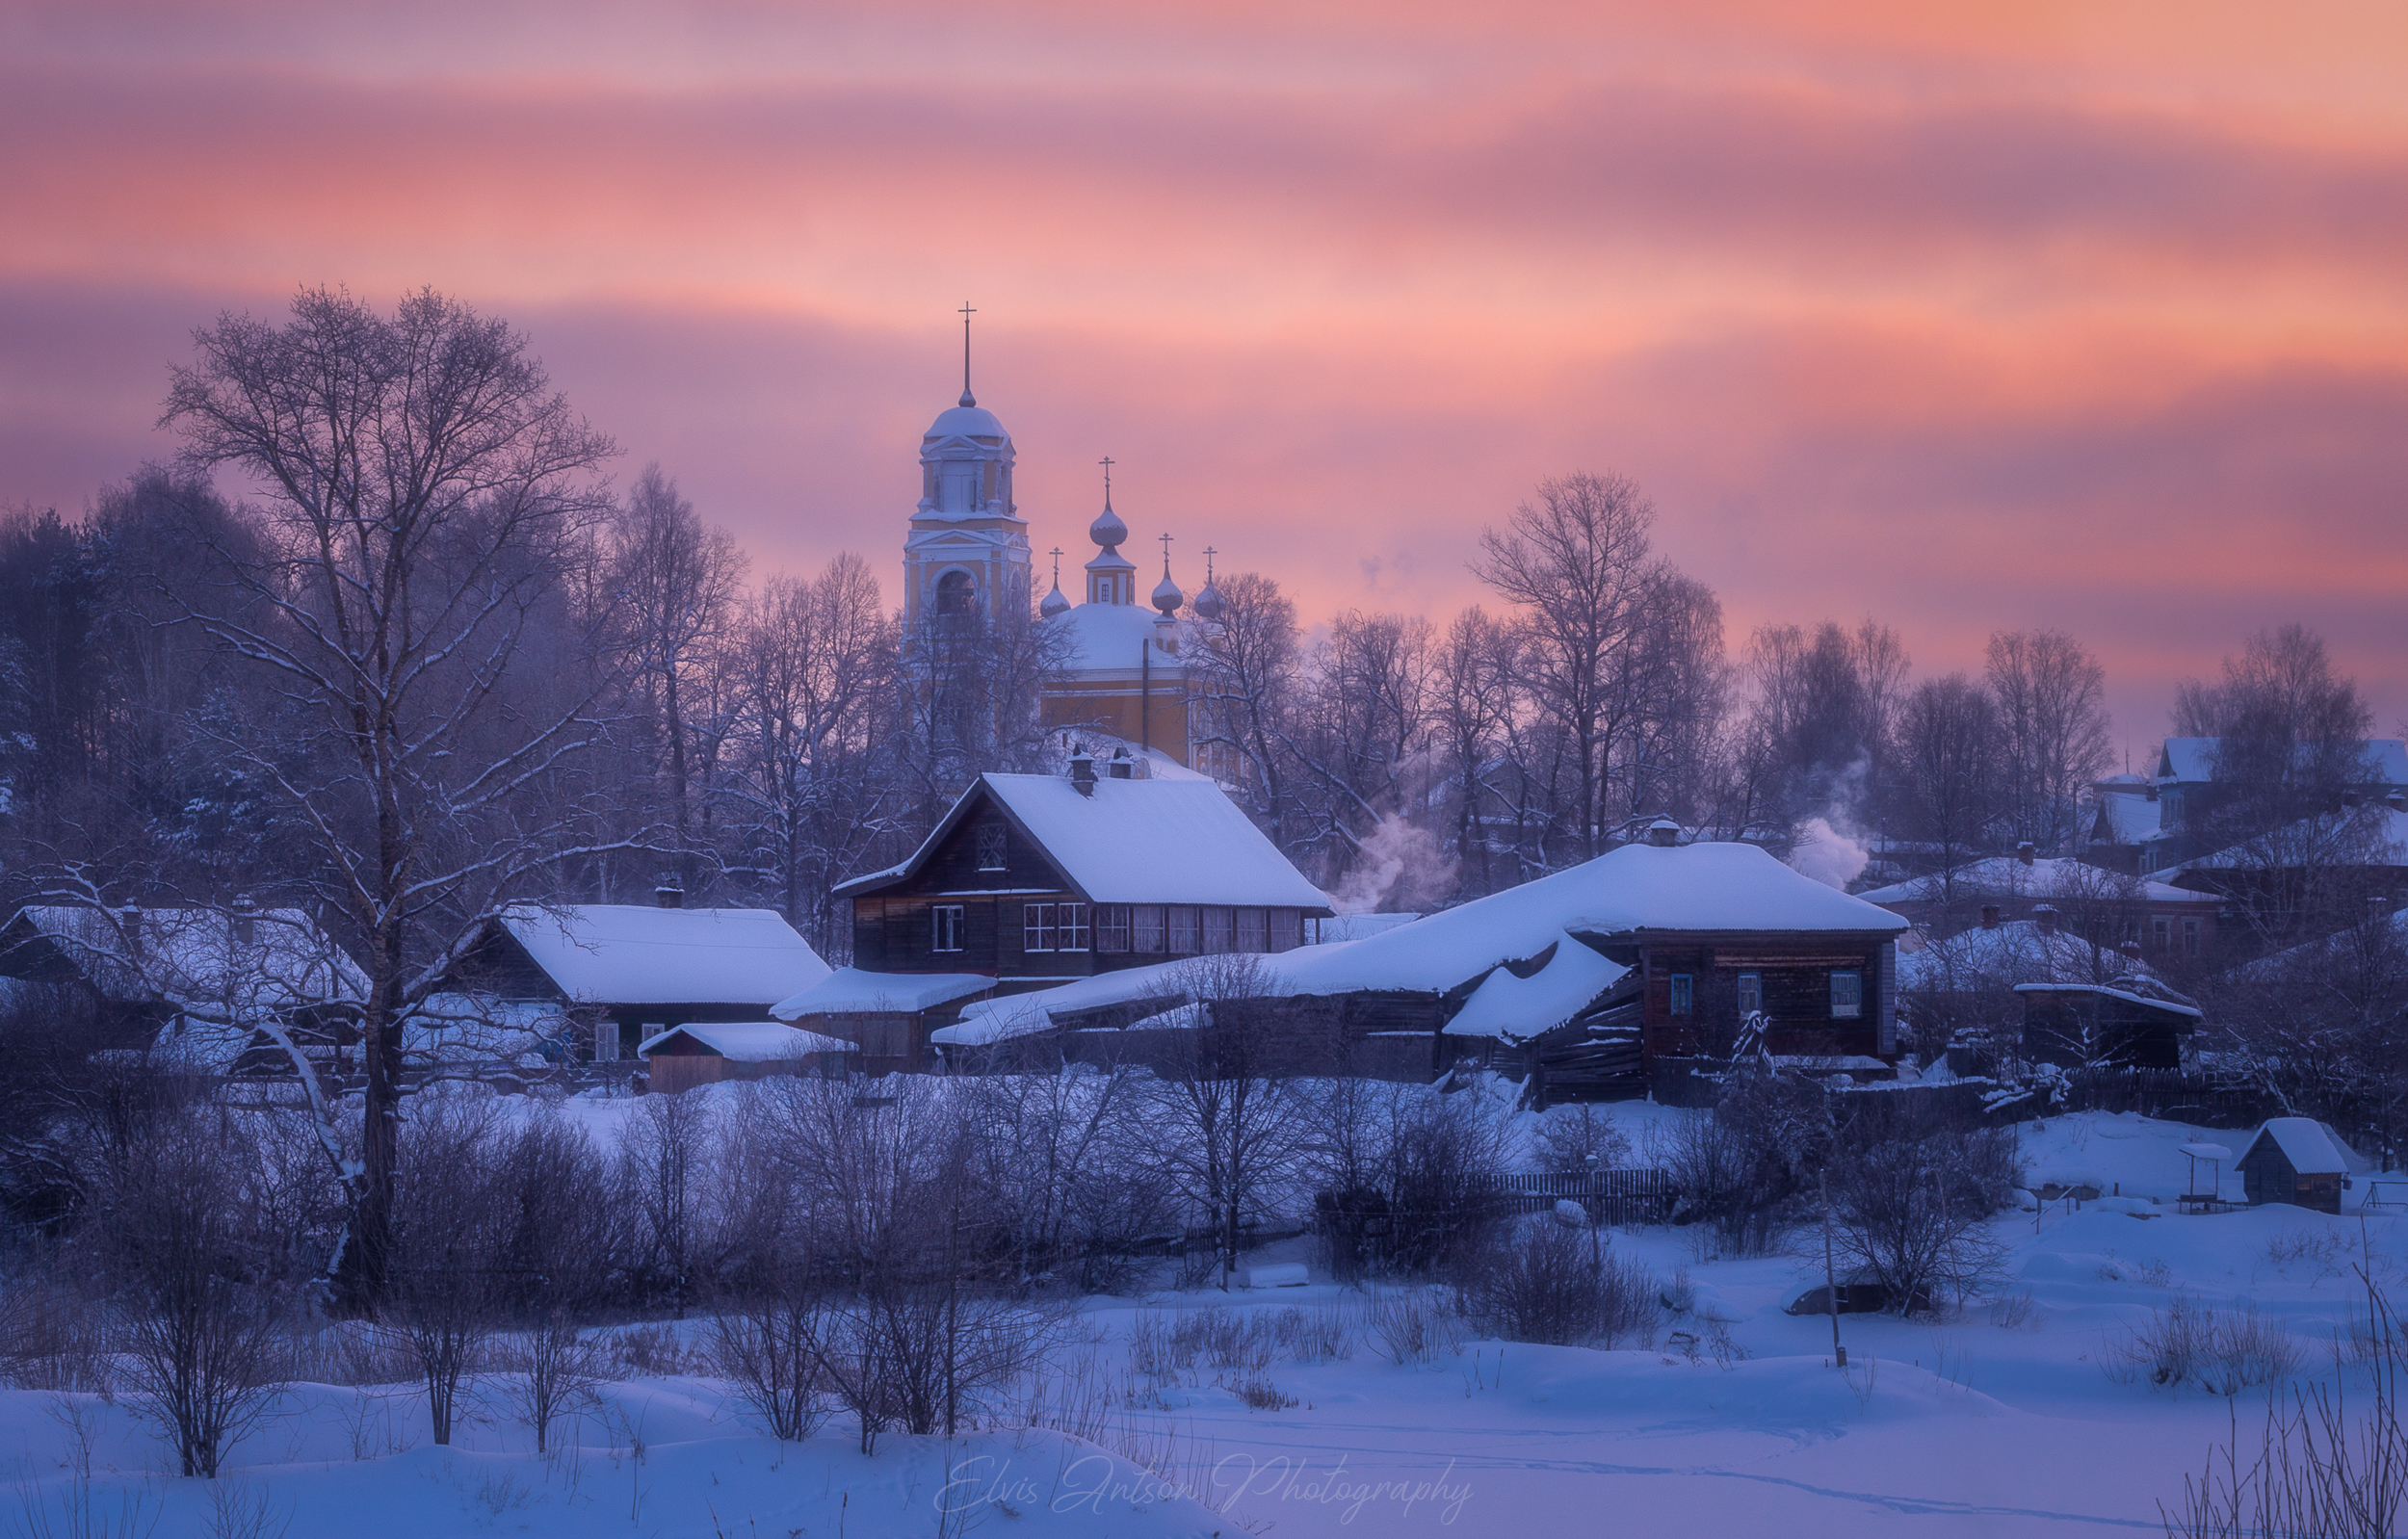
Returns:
<point x="708" y="1052"/>
<point x="1657" y="949"/>
<point x="2132" y="1021"/>
<point x="234" y="988"/>
<point x="2101" y="907"/>
<point x="614" y="975"/>
<point x="1033" y="881"/>
<point x="2298" y="1161"/>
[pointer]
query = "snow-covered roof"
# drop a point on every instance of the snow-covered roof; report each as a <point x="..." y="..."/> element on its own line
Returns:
<point x="1358" y="926"/>
<point x="2335" y="950"/>
<point x="2312" y="1147"/>
<point x="1635" y="889"/>
<point x="2128" y="989"/>
<point x="2372" y="835"/>
<point x="2008" y="877"/>
<point x="2131" y="819"/>
<point x="1108" y="636"/>
<point x="751" y="1041"/>
<point x="1136" y="842"/>
<point x="196" y="958"/>
<point x="1516" y="1009"/>
<point x="2017" y="952"/>
<point x="967" y="422"/>
<point x="626" y="953"/>
<point x="2193" y="759"/>
<point x="852" y="991"/>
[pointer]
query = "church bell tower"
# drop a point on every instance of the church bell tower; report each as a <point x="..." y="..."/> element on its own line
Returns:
<point x="968" y="548"/>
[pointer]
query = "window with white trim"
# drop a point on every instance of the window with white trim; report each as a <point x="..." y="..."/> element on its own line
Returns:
<point x="991" y="846"/>
<point x="1848" y="996"/>
<point x="944" y="927"/>
<point x="1041" y="928"/>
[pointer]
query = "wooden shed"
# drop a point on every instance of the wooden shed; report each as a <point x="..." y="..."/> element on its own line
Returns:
<point x="2298" y="1161"/>
<point x="700" y="1053"/>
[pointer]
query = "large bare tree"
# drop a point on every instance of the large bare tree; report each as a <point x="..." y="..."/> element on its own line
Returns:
<point x="420" y="486"/>
<point x="2053" y="726"/>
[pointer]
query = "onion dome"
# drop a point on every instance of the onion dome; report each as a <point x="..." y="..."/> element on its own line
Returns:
<point x="1053" y="603"/>
<point x="1209" y="604"/>
<point x="1108" y="530"/>
<point x="1166" y="596"/>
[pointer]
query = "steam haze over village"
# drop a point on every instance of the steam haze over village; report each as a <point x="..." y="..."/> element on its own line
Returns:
<point x="774" y="769"/>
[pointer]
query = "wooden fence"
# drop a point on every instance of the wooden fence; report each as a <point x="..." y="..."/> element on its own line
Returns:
<point x="1614" y="1196"/>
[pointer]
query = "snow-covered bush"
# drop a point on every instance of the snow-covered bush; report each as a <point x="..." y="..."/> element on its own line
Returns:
<point x="1415" y="1324"/>
<point x="1548" y="1284"/>
<point x="1743" y="1170"/>
<point x="1570" y="1136"/>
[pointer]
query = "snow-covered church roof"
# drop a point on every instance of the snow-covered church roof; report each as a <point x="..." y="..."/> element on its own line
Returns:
<point x="626" y="953"/>
<point x="1160" y="841"/>
<point x="1103" y="637"/>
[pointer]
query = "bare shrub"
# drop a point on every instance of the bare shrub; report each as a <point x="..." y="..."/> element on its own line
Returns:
<point x="2191" y="1341"/>
<point x="50" y="1337"/>
<point x="239" y="1509"/>
<point x="1554" y="1284"/>
<point x="445" y="1288"/>
<point x="1323" y="1335"/>
<point x="1911" y="1210"/>
<point x="768" y="1348"/>
<point x="1415" y="1325"/>
<point x="1571" y="1136"/>
<point x="663" y="1151"/>
<point x="198" y="1330"/>
<point x="557" y="1367"/>
<point x="2017" y="1311"/>
<point x="1745" y="1170"/>
<point x="1262" y="1395"/>
<point x="2322" y="1465"/>
<point x="649" y="1351"/>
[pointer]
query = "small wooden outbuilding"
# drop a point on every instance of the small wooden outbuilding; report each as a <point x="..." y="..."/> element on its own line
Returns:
<point x="2298" y="1161"/>
<point x="706" y="1053"/>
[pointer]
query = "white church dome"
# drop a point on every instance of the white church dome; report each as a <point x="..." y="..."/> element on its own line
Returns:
<point x="967" y="422"/>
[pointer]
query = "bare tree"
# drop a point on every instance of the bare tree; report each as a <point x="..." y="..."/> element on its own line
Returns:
<point x="444" y="1301"/>
<point x="1224" y="1112"/>
<point x="558" y="1367"/>
<point x="1947" y="755"/>
<point x="1578" y="564"/>
<point x="1249" y="662"/>
<point x="817" y="681"/>
<point x="2054" y="731"/>
<point x="2290" y="734"/>
<point x="422" y="488"/>
<point x="677" y="581"/>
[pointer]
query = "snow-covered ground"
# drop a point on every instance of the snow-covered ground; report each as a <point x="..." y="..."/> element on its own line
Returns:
<point x="1999" y="1421"/>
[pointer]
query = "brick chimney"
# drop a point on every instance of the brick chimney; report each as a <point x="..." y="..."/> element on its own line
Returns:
<point x="1083" y="771"/>
<point x="2026" y="850"/>
<point x="1121" y="766"/>
<point x="2044" y="915"/>
<point x="1989" y="916"/>
<point x="670" y="892"/>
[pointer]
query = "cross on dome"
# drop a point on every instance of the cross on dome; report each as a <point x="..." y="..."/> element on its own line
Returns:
<point x="967" y="399"/>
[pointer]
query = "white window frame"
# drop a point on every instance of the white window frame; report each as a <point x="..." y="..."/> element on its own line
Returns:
<point x="946" y="922"/>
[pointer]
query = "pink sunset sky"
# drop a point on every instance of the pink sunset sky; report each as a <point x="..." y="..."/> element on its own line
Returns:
<point x="2085" y="315"/>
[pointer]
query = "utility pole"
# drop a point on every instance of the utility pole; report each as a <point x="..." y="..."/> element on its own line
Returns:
<point x="1830" y="1276"/>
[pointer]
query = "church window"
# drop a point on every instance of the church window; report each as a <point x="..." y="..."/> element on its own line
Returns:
<point x="990" y="846"/>
<point x="944" y="927"/>
<point x="1182" y="930"/>
<point x="1112" y="928"/>
<point x="1217" y="931"/>
<point x="1253" y="934"/>
<point x="987" y="483"/>
<point x="1073" y="927"/>
<point x="1040" y="927"/>
<point x="955" y="593"/>
<point x="1149" y="928"/>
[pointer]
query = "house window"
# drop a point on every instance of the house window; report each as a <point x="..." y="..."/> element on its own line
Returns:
<point x="1112" y="928"/>
<point x="1073" y="927"/>
<point x="1217" y="931"/>
<point x="1183" y="931"/>
<point x="606" y="1041"/>
<point x="1751" y="993"/>
<point x="1848" y="996"/>
<point x="944" y="927"/>
<point x="1040" y="927"/>
<point x="1253" y="932"/>
<point x="1150" y="931"/>
<point x="1683" y="994"/>
<point x="1287" y="929"/>
<point x="990" y="846"/>
<point x="2160" y="932"/>
<point x="2190" y="935"/>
